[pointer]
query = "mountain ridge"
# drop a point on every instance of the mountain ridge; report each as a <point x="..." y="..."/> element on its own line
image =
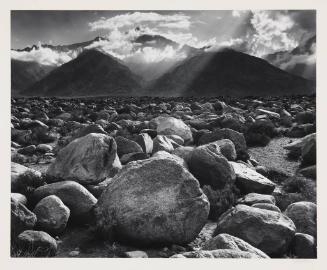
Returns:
<point x="92" y="73"/>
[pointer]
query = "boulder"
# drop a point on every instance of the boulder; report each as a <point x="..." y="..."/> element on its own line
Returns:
<point x="267" y="206"/>
<point x="183" y="152"/>
<point x="22" y="177"/>
<point x="226" y="241"/>
<point x="304" y="216"/>
<point x="162" y="143"/>
<point x="64" y="116"/>
<point x="19" y="198"/>
<point x="232" y="121"/>
<point x="266" y="230"/>
<point x="226" y="148"/>
<point x="145" y="141"/>
<point x="135" y="254"/>
<point x="218" y="134"/>
<point x="310" y="172"/>
<point x="21" y="219"/>
<point x="218" y="253"/>
<point x="164" y="154"/>
<point x="153" y="201"/>
<point x="173" y="126"/>
<point x="305" y="117"/>
<point x="252" y="198"/>
<point x="44" y="148"/>
<point x="96" y="190"/>
<point x="28" y="150"/>
<point x="250" y="181"/>
<point x="210" y="167"/>
<point x="126" y="146"/>
<point x="89" y="159"/>
<point x="37" y="243"/>
<point x="133" y="157"/>
<point x="22" y="137"/>
<point x="270" y="114"/>
<point x="295" y="147"/>
<point x="309" y="152"/>
<point x="52" y="215"/>
<point x="76" y="197"/>
<point x="260" y="133"/>
<point x="177" y="139"/>
<point x="302" y="130"/>
<point x="303" y="246"/>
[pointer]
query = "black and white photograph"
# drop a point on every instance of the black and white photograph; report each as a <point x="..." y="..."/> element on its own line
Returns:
<point x="170" y="134"/>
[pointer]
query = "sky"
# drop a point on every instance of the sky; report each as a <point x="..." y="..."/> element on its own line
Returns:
<point x="256" y="32"/>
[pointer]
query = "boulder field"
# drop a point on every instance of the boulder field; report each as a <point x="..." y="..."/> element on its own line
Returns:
<point x="163" y="177"/>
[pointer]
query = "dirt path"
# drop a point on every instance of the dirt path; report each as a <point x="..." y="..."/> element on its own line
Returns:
<point x="274" y="156"/>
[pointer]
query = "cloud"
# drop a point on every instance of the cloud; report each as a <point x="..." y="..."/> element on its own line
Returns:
<point x="272" y="32"/>
<point x="177" y="20"/>
<point x="44" y="56"/>
<point x="234" y="43"/>
<point x="239" y="13"/>
<point x="262" y="32"/>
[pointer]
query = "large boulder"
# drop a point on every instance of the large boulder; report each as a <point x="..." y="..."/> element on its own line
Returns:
<point x="163" y="143"/>
<point x="21" y="219"/>
<point x="83" y="131"/>
<point x="173" y="126"/>
<point x="126" y="146"/>
<point x="302" y="130"/>
<point x="253" y="198"/>
<point x="218" y="134"/>
<point x="309" y="153"/>
<point x="153" y="201"/>
<point x="76" y="197"/>
<point x="305" y="117"/>
<point x="303" y="246"/>
<point x="304" y="216"/>
<point x="267" y="206"/>
<point x="248" y="180"/>
<point x="226" y="241"/>
<point x="218" y="253"/>
<point x="260" y="133"/>
<point x="22" y="177"/>
<point x="145" y="141"/>
<point x="37" y="244"/>
<point x="19" y="198"/>
<point x="266" y="230"/>
<point x="210" y="167"/>
<point x="226" y="147"/>
<point x="89" y="159"/>
<point x="52" y="215"/>
<point x="295" y="147"/>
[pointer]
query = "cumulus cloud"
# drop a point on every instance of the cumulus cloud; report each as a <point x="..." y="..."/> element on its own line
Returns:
<point x="271" y="33"/>
<point x="177" y="20"/>
<point x="124" y="29"/>
<point x="262" y="32"/>
<point x="239" y="13"/>
<point x="44" y="56"/>
<point x="233" y="43"/>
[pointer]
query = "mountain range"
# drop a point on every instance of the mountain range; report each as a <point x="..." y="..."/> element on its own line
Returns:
<point x="199" y="73"/>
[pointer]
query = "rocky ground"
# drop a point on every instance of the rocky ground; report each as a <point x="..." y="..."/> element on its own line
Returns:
<point x="164" y="177"/>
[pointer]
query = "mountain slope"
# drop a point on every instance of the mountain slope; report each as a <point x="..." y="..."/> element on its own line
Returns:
<point x="24" y="74"/>
<point x="92" y="73"/>
<point x="228" y="73"/>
